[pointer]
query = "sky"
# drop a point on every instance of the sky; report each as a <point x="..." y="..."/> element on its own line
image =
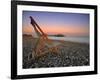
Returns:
<point x="69" y="24"/>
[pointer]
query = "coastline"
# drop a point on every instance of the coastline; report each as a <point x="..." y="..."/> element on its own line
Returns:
<point x="71" y="54"/>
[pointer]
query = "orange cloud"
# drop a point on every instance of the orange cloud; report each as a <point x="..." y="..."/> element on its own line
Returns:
<point x="68" y="30"/>
<point x="74" y="30"/>
<point x="27" y="29"/>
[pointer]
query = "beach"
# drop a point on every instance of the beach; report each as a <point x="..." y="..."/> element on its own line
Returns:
<point x="70" y="54"/>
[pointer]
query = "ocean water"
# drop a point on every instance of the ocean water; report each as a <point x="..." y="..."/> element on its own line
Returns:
<point x="73" y="39"/>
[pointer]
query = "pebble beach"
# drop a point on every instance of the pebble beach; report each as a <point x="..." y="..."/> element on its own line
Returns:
<point x="70" y="54"/>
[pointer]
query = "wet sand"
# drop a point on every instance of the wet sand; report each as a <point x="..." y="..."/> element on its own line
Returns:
<point x="70" y="54"/>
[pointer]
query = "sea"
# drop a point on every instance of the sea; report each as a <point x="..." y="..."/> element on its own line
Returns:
<point x="73" y="39"/>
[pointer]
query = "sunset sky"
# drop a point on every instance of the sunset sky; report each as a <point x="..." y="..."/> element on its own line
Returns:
<point x="69" y="24"/>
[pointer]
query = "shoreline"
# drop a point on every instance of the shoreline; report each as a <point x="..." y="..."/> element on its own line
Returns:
<point x="72" y="54"/>
<point x="60" y="39"/>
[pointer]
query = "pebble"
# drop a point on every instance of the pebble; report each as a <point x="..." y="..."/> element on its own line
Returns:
<point x="70" y="55"/>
